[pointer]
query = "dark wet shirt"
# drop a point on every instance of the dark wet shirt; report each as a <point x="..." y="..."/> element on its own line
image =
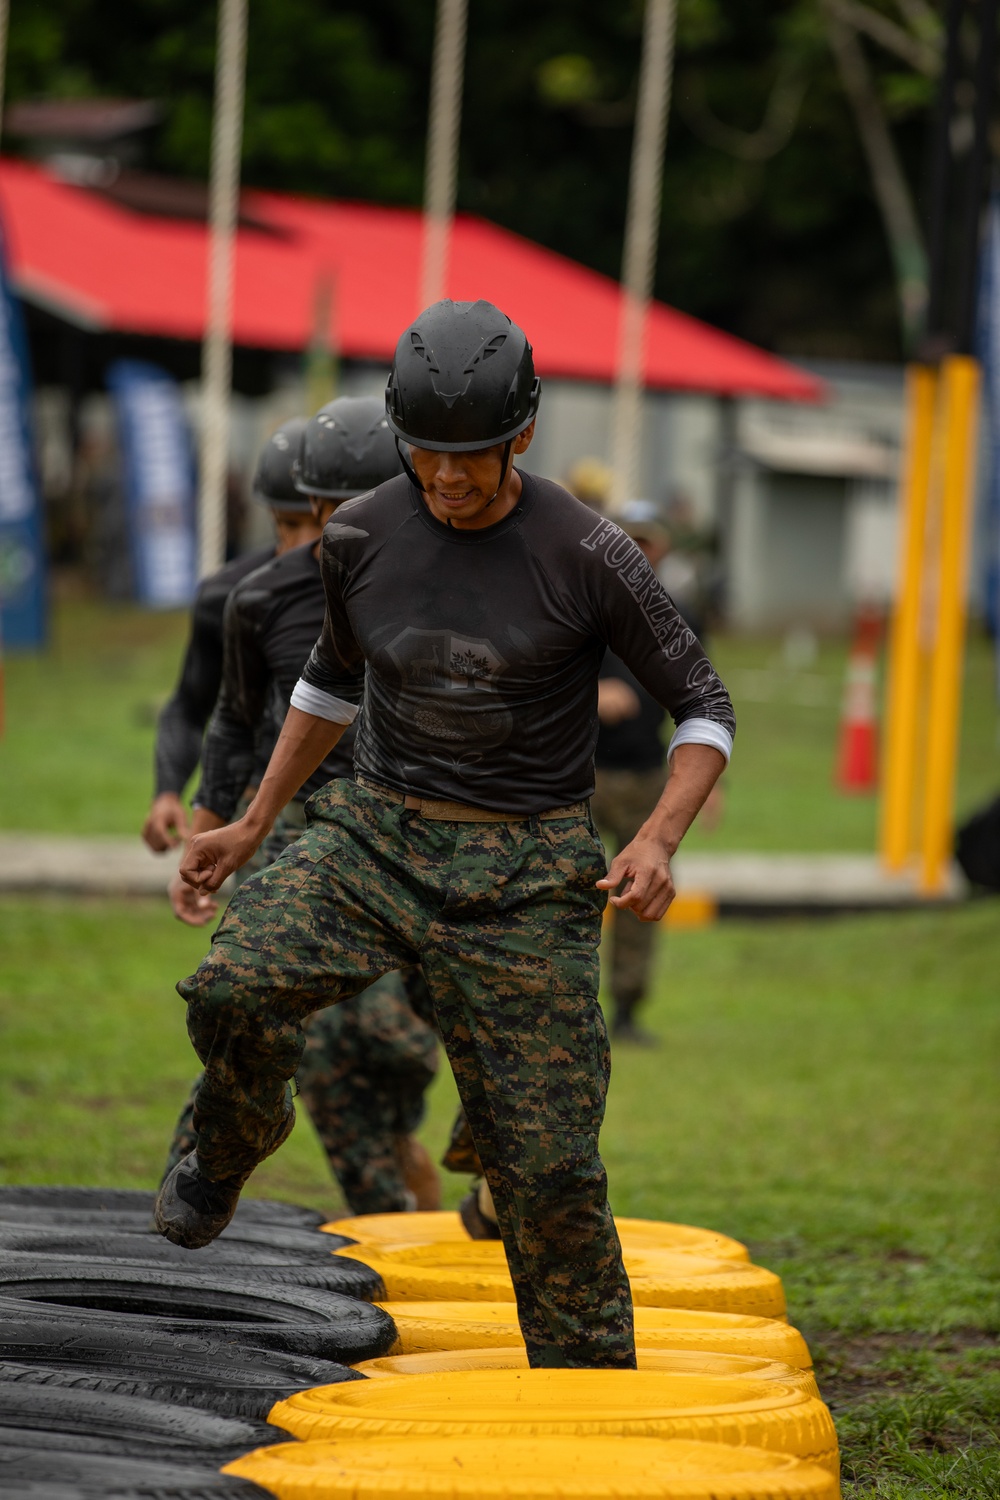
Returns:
<point x="483" y="647"/>
<point x="271" y="623"/>
<point x="183" y="718"/>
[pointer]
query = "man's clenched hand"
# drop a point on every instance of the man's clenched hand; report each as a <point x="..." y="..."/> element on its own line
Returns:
<point x="211" y="857"/>
<point x="642" y="869"/>
<point x="166" y="824"/>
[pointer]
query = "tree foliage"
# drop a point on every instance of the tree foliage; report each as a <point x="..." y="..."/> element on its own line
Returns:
<point x="769" y="223"/>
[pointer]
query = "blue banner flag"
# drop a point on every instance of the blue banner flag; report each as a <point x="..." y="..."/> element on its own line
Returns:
<point x="159" y="474"/>
<point x="988" y="339"/>
<point x="23" y="611"/>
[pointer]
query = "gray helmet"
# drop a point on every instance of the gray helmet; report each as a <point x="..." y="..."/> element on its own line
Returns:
<point x="463" y="378"/>
<point x="346" y="449"/>
<point x="273" y="483"/>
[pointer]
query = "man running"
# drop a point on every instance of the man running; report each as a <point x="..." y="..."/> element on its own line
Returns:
<point x="182" y="720"/>
<point x="368" y="1062"/>
<point x="470" y="605"/>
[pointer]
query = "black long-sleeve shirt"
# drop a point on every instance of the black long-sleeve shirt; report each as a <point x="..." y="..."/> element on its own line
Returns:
<point x="182" y="720"/>
<point x="271" y="622"/>
<point x="483" y="647"/>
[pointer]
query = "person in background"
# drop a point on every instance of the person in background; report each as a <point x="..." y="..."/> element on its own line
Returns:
<point x="630" y="774"/>
<point x="182" y="721"/>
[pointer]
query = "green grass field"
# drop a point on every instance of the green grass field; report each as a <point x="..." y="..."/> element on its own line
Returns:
<point x="825" y="1092"/>
<point x="77" y="754"/>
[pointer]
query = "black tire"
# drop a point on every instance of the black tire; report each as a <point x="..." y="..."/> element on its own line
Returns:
<point x="246" y="1386"/>
<point x="30" y="1473"/>
<point x="294" y="1244"/>
<point x="31" y="1249"/>
<point x="126" y="1426"/>
<point x="110" y="1203"/>
<point x="298" y="1320"/>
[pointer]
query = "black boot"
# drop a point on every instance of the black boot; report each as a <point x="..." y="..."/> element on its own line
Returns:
<point x="624" y="1028"/>
<point x="192" y="1211"/>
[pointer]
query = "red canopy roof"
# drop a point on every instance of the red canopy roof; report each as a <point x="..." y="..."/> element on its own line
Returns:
<point x="104" y="266"/>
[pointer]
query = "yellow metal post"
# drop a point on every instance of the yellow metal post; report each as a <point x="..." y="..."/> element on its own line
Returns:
<point x="899" y="766"/>
<point x="960" y="379"/>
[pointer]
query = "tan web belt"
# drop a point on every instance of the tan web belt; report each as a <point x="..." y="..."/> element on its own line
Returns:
<point x="461" y="812"/>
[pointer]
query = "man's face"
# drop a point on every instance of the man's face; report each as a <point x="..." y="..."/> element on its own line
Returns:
<point x="294" y="528"/>
<point x="458" y="487"/>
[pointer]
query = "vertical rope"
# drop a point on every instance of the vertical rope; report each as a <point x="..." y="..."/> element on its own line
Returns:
<point x="443" y="127"/>
<point x="642" y="225"/>
<point x="217" y="349"/>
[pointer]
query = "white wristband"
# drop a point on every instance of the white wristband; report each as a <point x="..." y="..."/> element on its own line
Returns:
<point x="701" y="732"/>
<point x="312" y="700"/>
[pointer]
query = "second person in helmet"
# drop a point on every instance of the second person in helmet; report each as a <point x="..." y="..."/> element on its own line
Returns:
<point x="367" y="1063"/>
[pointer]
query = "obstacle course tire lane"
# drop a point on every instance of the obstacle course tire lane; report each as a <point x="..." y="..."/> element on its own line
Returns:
<point x="144" y="1302"/>
<point x="609" y="1403"/>
<point x="477" y="1271"/>
<point x="246" y="1263"/>
<point x="445" y="1227"/>
<point x="487" y="1468"/>
<point x="428" y="1326"/>
<point x="664" y="1361"/>
<point x="27" y="1472"/>
<point x="109" y="1204"/>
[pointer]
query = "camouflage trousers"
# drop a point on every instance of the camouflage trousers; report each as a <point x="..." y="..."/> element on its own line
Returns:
<point x="622" y="802"/>
<point x="504" y="920"/>
<point x="363" y="1075"/>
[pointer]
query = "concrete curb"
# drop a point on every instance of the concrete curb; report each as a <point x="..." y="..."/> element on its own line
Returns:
<point x="737" y="884"/>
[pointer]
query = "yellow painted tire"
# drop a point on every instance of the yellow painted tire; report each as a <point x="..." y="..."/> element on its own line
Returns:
<point x="426" y="1326"/>
<point x="477" y="1272"/>
<point x="548" y="1468"/>
<point x="447" y="1227"/>
<point x="668" y="1361"/>
<point x="563" y="1403"/>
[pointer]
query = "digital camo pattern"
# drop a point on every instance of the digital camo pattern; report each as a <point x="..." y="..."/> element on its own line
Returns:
<point x="504" y="919"/>
<point x="363" y="1076"/>
<point x="621" y="804"/>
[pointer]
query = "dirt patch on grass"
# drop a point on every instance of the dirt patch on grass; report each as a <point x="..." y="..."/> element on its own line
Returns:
<point x="853" y="1368"/>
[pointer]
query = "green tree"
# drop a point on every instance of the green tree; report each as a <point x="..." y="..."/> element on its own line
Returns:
<point x="770" y="224"/>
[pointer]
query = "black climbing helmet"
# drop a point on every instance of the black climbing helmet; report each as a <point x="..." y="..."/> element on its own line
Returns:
<point x="273" y="483"/>
<point x="346" y="449"/>
<point x="463" y="378"/>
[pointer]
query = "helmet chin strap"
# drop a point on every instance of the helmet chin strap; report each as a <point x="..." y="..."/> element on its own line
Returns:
<point x="412" y="475"/>
<point x="508" y="445"/>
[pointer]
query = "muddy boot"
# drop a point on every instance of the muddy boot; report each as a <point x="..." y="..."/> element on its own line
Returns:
<point x="192" y="1211"/>
<point x="419" y="1173"/>
<point x="477" y="1213"/>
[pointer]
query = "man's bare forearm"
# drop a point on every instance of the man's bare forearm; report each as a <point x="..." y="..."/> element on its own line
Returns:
<point x="694" y="770"/>
<point x="304" y="743"/>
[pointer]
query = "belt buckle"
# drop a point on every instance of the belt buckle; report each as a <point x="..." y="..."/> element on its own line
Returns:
<point x="411" y="803"/>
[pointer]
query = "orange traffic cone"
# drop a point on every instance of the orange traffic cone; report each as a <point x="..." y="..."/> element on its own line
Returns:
<point x="857" y="753"/>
